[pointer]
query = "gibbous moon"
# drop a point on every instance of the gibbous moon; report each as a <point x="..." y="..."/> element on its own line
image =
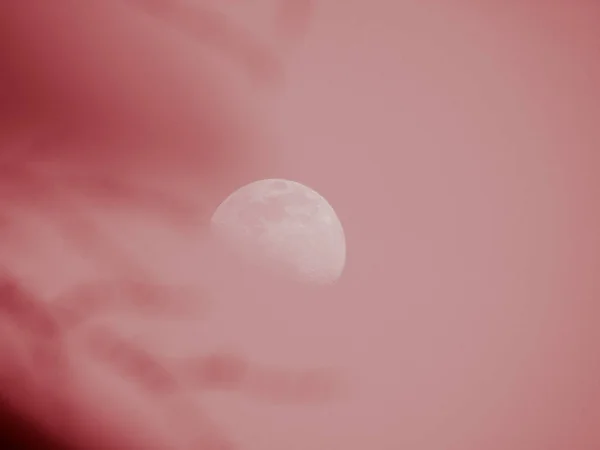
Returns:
<point x="284" y="226"/>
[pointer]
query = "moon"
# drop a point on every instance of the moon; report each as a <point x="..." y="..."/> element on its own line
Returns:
<point x="284" y="226"/>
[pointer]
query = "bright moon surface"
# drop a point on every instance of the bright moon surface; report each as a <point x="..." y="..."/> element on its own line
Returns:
<point x="286" y="225"/>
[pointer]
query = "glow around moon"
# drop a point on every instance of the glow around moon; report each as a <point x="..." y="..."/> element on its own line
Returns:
<point x="284" y="225"/>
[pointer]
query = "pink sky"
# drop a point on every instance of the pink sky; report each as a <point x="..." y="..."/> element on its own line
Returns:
<point x="458" y="145"/>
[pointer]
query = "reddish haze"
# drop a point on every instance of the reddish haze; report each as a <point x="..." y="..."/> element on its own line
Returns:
<point x="458" y="145"/>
